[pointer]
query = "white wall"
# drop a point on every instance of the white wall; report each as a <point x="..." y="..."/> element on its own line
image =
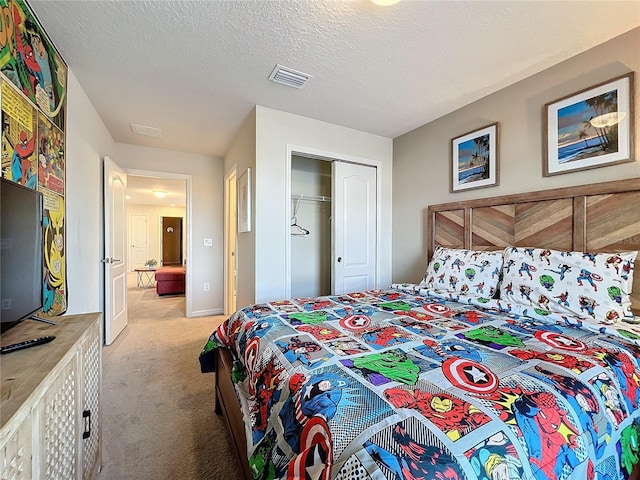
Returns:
<point x="154" y="233"/>
<point x="421" y="157"/>
<point x="204" y="264"/>
<point x="242" y="155"/>
<point x="275" y="131"/>
<point x="88" y="141"/>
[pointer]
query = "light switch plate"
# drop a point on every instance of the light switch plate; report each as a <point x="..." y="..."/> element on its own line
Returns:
<point x="208" y="242"/>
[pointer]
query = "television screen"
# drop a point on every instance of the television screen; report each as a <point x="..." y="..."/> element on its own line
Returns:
<point x="20" y="253"/>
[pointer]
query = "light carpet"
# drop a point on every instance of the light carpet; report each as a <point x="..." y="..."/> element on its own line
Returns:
<point x="158" y="409"/>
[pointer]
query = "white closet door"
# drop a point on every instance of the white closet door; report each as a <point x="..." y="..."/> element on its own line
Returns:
<point x="354" y="218"/>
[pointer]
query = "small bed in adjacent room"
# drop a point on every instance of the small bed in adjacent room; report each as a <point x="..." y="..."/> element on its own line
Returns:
<point x="516" y="356"/>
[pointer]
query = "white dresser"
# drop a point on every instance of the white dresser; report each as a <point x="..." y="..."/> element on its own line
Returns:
<point x="50" y="425"/>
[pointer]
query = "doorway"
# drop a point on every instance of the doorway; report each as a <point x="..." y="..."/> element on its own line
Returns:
<point x="171" y="241"/>
<point x="230" y="244"/>
<point x="153" y="197"/>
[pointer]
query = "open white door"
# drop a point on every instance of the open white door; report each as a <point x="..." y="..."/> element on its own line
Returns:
<point x="115" y="248"/>
<point x="353" y="222"/>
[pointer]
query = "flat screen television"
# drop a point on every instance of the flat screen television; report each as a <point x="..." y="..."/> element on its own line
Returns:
<point x="20" y="253"/>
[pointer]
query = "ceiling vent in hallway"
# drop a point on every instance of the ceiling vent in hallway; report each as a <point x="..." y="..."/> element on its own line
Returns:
<point x="289" y="76"/>
<point x="145" y="130"/>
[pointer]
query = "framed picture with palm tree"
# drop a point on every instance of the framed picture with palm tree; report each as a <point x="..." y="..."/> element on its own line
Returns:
<point x="591" y="128"/>
<point x="474" y="159"/>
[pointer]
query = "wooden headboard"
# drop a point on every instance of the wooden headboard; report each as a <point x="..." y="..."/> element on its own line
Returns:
<point x="602" y="217"/>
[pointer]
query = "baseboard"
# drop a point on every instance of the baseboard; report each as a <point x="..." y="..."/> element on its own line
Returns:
<point x="207" y="313"/>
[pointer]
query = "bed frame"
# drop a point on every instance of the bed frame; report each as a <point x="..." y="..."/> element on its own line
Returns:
<point x="602" y="217"/>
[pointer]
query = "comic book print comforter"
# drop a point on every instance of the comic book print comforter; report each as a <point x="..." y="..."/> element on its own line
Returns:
<point x="398" y="384"/>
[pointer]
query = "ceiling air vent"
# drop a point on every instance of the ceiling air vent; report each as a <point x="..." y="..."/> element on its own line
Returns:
<point x="146" y="130"/>
<point x="289" y="76"/>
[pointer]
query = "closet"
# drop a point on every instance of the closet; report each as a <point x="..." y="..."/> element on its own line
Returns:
<point x="310" y="227"/>
<point x="333" y="246"/>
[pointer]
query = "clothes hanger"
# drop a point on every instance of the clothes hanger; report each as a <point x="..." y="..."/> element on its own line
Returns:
<point x="297" y="230"/>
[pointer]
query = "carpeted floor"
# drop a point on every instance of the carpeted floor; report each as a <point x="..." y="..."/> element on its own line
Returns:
<point x="158" y="410"/>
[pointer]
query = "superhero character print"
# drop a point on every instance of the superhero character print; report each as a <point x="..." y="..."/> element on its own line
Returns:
<point x="324" y="333"/>
<point x="439" y="351"/>
<point x="451" y="415"/>
<point x="630" y="448"/>
<point x="407" y="451"/>
<point x="267" y="393"/>
<point x="313" y="402"/>
<point x="258" y="311"/>
<point x="624" y="369"/>
<point x="396" y="306"/>
<point x="472" y="317"/>
<point x="384" y="335"/>
<point x="492" y="337"/>
<point x="582" y="400"/>
<point x="420" y="327"/>
<point x="346" y="300"/>
<point x="544" y="427"/>
<point x="611" y="398"/>
<point x="284" y="306"/>
<point x="301" y="350"/>
<point x="389" y="366"/>
<point x="496" y="458"/>
<point x="529" y="326"/>
<point x="314" y="304"/>
<point x="447" y="324"/>
<point x="346" y="347"/>
<point x="575" y="364"/>
<point x="324" y="398"/>
<point x="309" y="318"/>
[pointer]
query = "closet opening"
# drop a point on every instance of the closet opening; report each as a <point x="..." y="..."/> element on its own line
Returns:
<point x="310" y="227"/>
<point x="332" y="246"/>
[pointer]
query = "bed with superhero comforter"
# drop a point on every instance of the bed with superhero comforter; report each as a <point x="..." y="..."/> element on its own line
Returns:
<point x="400" y="383"/>
<point x="504" y="362"/>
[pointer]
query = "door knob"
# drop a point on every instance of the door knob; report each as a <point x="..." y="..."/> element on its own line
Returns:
<point x="339" y="259"/>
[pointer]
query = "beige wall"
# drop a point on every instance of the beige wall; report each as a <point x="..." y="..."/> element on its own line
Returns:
<point x="154" y="233"/>
<point x="422" y="156"/>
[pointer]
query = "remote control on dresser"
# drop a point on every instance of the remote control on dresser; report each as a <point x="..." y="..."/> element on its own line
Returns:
<point x="26" y="344"/>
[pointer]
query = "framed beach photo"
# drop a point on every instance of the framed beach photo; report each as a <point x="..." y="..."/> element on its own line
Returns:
<point x="474" y="159"/>
<point x="590" y="129"/>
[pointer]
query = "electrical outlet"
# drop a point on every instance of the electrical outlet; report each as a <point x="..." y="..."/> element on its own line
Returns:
<point x="206" y="287"/>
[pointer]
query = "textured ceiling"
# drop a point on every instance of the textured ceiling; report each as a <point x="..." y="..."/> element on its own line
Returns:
<point x="196" y="69"/>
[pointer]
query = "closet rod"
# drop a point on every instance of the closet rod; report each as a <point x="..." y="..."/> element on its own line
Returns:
<point x="311" y="198"/>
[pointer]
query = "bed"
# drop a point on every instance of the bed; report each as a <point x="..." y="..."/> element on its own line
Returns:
<point x="524" y="366"/>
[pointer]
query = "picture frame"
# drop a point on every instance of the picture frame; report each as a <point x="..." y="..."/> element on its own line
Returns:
<point x="591" y="128"/>
<point x="474" y="159"/>
<point x="244" y="201"/>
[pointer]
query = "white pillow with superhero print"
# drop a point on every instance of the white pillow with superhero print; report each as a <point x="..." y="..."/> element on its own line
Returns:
<point x="594" y="287"/>
<point x="467" y="272"/>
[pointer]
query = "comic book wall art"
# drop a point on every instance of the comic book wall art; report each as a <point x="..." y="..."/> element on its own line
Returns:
<point x="402" y="384"/>
<point x="33" y="80"/>
<point x="29" y="60"/>
<point x="19" y="138"/>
